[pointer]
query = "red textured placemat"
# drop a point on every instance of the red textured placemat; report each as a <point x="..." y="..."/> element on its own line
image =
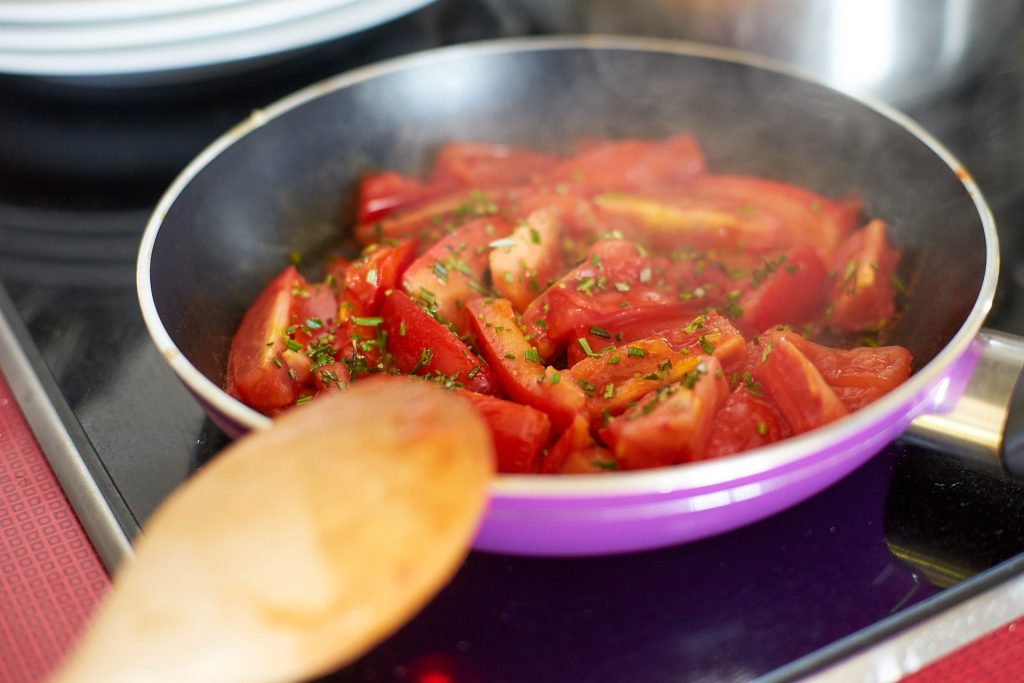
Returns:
<point x="50" y="576"/>
<point x="997" y="657"/>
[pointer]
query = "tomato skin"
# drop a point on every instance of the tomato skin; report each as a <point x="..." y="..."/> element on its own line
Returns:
<point x="670" y="427"/>
<point x="575" y="438"/>
<point x="412" y="333"/>
<point x="256" y="372"/>
<point x="745" y="422"/>
<point x="485" y="165"/>
<point x="519" y="432"/>
<point x="630" y="164"/>
<point x="862" y="293"/>
<point x="452" y="271"/>
<point x="791" y="294"/>
<point x="860" y="375"/>
<point x="379" y="194"/>
<point x="432" y="218"/>
<point x="793" y="384"/>
<point x="378" y="271"/>
<point x="492" y="323"/>
<point x="613" y="285"/>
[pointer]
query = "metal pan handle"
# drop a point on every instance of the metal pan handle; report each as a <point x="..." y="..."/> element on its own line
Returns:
<point x="983" y="423"/>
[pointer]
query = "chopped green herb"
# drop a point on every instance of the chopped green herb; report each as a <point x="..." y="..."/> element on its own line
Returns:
<point x="369" y="321"/>
<point x="609" y="390"/>
<point x="587" y="387"/>
<point x="585" y="345"/>
<point x="706" y="345"/>
<point x="762" y="428"/>
<point x="277" y="362"/>
<point x="622" y="286"/>
<point x="440" y="272"/>
<point x="371" y="276"/>
<point x="645" y="274"/>
<point x="636" y="352"/>
<point x="555" y="378"/>
<point x="293" y="345"/>
<point x="600" y="332"/>
<point x="767" y="350"/>
<point x="698" y="323"/>
<point x="503" y="242"/>
<point x="426" y="355"/>
<point x="304" y="398"/>
<point x="531" y="355"/>
<point x="510" y="356"/>
<point x="605" y="464"/>
<point x="534" y="235"/>
<point x="314" y="323"/>
<point x="401" y="329"/>
<point x="474" y="372"/>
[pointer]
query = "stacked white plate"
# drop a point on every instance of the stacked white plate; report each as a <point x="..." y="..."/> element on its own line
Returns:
<point x="169" y="39"/>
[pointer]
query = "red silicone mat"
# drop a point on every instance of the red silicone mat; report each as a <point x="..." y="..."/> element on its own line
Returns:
<point x="50" y="576"/>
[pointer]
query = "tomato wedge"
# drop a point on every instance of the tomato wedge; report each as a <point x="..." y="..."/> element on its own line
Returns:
<point x="488" y="165"/>
<point x="519" y="432"/>
<point x="517" y="364"/>
<point x="381" y="193"/>
<point x="524" y="263"/>
<point x="803" y="216"/>
<point x="863" y="292"/>
<point x="793" y="384"/>
<point x="613" y="285"/>
<point x="452" y="272"/>
<point x="672" y="424"/>
<point x="257" y="373"/>
<point x="793" y="292"/>
<point x="420" y="345"/>
<point x="859" y="375"/>
<point x="621" y="376"/>
<point x="629" y="164"/>
<point x="745" y="421"/>
<point x="378" y="271"/>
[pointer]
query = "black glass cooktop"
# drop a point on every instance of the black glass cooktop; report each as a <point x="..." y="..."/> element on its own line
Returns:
<point x="80" y="169"/>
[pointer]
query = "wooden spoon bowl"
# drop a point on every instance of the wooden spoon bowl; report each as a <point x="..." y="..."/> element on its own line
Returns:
<point x="298" y="548"/>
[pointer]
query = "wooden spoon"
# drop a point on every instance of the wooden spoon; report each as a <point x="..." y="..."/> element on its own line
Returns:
<point x="298" y="548"/>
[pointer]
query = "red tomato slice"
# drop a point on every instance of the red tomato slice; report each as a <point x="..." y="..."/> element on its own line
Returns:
<point x="487" y="165"/>
<point x="378" y="271"/>
<point x="519" y="432"/>
<point x="517" y="363"/>
<point x="709" y="333"/>
<point x="257" y="373"/>
<point x="793" y="383"/>
<point x="527" y="261"/>
<point x="862" y="293"/>
<point x="672" y="424"/>
<point x="420" y="345"/>
<point x="745" y="422"/>
<point x="381" y="193"/>
<point x="615" y="284"/>
<point x="576" y="437"/>
<point x="860" y="375"/>
<point x="452" y="272"/>
<point x="792" y="293"/>
<point x="433" y="218"/>
<point x="630" y="164"/>
<point x="805" y="216"/>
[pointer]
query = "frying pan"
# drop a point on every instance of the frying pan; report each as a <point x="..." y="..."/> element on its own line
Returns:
<point x="280" y="182"/>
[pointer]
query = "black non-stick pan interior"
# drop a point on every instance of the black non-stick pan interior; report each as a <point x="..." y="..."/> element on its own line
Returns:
<point x="285" y="186"/>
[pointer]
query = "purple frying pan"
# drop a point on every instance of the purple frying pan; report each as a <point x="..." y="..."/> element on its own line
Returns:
<point x="279" y="182"/>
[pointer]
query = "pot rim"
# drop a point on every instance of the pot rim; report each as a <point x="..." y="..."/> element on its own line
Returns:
<point x="689" y="476"/>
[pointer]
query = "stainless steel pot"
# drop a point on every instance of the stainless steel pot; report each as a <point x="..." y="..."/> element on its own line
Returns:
<point x="898" y="50"/>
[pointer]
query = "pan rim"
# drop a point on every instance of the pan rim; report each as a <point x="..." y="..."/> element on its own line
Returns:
<point x="664" y="480"/>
